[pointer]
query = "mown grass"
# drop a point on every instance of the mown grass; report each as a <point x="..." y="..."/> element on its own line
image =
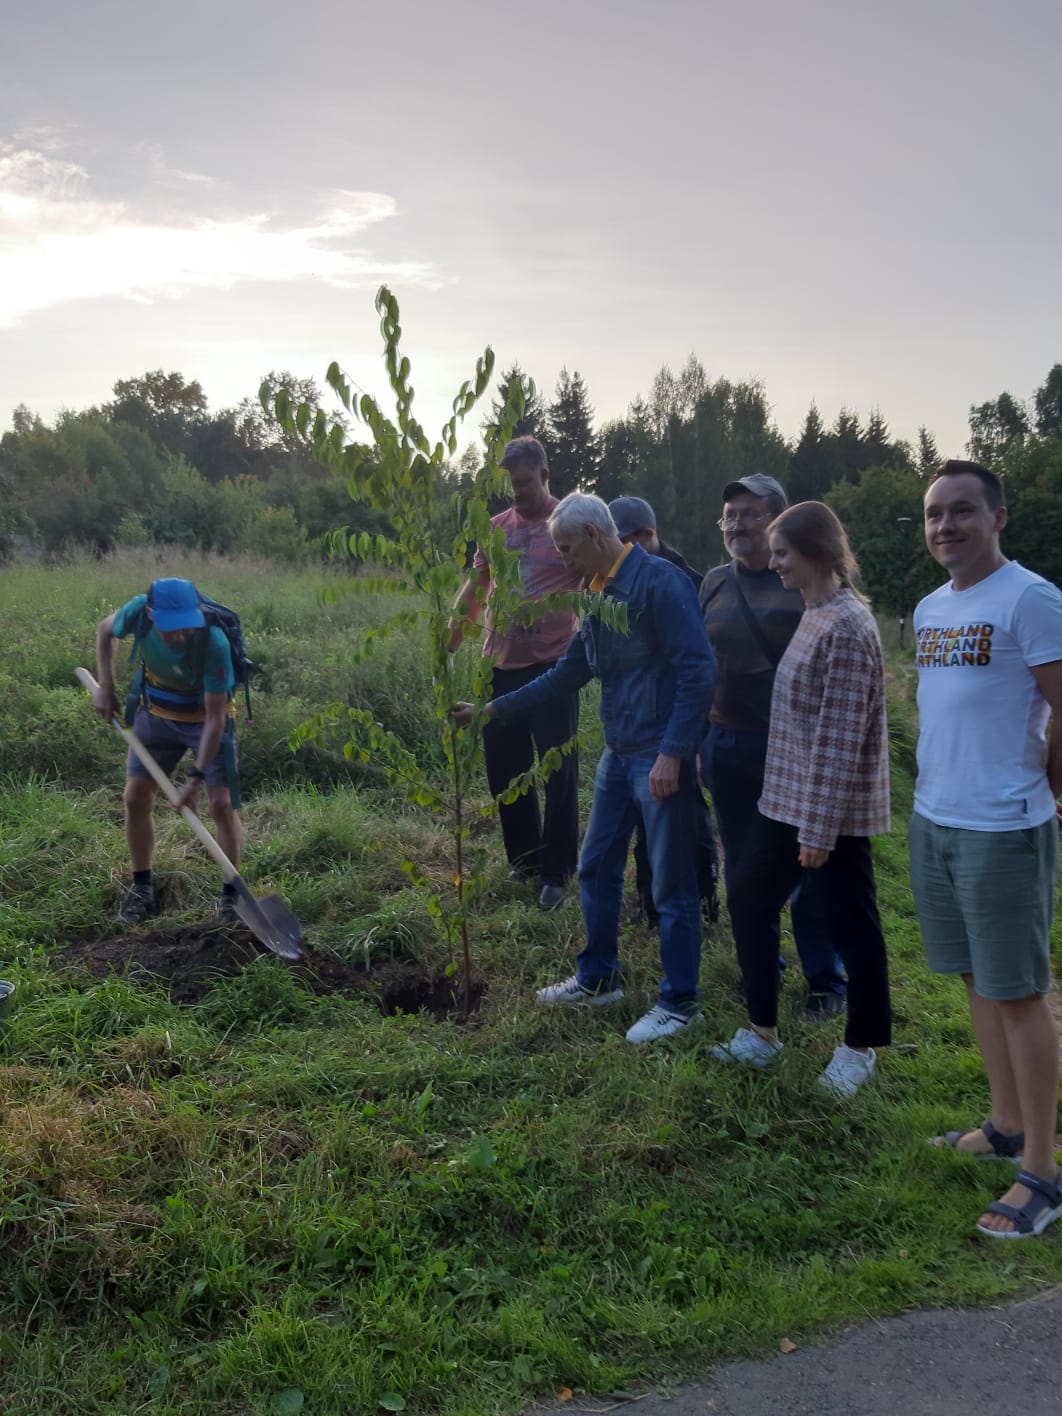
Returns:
<point x="273" y="1201"/>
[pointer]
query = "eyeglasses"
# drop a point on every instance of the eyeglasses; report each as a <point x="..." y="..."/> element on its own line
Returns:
<point x="727" y="523"/>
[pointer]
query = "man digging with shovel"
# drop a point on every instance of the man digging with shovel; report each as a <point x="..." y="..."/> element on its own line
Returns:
<point x="185" y="705"/>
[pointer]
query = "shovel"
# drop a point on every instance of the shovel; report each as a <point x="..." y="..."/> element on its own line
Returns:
<point x="268" y="918"/>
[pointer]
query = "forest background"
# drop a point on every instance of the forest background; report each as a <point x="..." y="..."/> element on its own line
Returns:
<point x="157" y="465"/>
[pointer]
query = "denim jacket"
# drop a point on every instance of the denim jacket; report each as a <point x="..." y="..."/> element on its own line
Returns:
<point x="656" y="681"/>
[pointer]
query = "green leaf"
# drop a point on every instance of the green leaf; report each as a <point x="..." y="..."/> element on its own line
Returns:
<point x="288" y="1402"/>
<point x="480" y="1154"/>
<point x="392" y="1401"/>
<point x="158" y="1382"/>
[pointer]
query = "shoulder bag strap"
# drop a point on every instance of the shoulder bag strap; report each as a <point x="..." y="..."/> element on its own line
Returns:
<point x="772" y="655"/>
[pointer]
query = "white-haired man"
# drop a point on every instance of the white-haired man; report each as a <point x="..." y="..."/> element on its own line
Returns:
<point x="655" y="680"/>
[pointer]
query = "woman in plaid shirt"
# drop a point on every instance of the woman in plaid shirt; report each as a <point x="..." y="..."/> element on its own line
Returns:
<point x="825" y="793"/>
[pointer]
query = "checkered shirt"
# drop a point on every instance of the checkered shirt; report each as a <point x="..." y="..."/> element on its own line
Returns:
<point x="827" y="770"/>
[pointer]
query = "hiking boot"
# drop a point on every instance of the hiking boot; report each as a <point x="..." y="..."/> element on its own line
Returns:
<point x="823" y="1007"/>
<point x="572" y="992"/>
<point x="662" y="1022"/>
<point x="848" y="1070"/>
<point x="748" y="1048"/>
<point x="138" y="905"/>
<point x="225" y="912"/>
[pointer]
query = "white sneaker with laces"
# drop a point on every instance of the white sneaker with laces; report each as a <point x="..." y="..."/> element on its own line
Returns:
<point x="748" y="1048"/>
<point x="848" y="1070"/>
<point x="661" y="1022"/>
<point x="571" y="991"/>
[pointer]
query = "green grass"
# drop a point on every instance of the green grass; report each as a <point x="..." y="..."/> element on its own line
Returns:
<point x="272" y="1196"/>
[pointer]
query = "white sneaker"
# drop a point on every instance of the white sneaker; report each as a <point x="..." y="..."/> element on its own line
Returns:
<point x="571" y="991"/>
<point x="749" y="1048"/>
<point x="848" y="1070"/>
<point x="661" y="1022"/>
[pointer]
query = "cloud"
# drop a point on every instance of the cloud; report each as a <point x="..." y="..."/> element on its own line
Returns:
<point x="58" y="243"/>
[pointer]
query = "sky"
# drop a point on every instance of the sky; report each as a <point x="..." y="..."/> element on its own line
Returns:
<point x="857" y="204"/>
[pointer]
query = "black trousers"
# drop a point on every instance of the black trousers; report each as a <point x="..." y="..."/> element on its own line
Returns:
<point x="766" y="875"/>
<point x="546" y="847"/>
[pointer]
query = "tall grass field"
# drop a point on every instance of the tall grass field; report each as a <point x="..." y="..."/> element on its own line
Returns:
<point x="274" y="1201"/>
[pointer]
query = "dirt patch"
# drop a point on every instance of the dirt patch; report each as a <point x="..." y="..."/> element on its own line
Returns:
<point x="188" y="961"/>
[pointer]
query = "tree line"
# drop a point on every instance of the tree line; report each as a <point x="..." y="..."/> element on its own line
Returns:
<point x="155" y="464"/>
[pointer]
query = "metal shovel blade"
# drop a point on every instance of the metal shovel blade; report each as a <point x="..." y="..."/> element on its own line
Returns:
<point x="270" y="921"/>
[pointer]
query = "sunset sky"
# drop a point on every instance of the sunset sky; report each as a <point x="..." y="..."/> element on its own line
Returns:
<point x="859" y="205"/>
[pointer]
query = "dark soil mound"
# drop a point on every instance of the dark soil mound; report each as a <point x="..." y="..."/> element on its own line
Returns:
<point x="188" y="961"/>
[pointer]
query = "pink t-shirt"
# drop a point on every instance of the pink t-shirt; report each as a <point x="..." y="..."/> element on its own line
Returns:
<point x="542" y="572"/>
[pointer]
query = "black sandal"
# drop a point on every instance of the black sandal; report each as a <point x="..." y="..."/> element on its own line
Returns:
<point x="1043" y="1206"/>
<point x="1004" y="1147"/>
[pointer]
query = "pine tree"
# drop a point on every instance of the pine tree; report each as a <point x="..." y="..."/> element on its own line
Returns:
<point x="810" y="466"/>
<point x="1047" y="401"/>
<point x="929" y="458"/>
<point x="877" y="449"/>
<point x="846" y="440"/>
<point x="534" y="422"/>
<point x="618" y="468"/>
<point x="572" y="446"/>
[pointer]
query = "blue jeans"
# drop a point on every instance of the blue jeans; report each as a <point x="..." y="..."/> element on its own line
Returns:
<point x="621" y="798"/>
<point x="732" y="768"/>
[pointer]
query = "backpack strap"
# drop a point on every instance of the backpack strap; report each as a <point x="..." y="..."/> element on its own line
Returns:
<point x="137" y="695"/>
<point x="201" y="641"/>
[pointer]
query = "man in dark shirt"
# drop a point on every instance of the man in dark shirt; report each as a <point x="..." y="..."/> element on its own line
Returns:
<point x="750" y="618"/>
<point x="636" y="521"/>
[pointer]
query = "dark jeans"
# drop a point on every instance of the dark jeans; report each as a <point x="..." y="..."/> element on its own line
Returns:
<point x="764" y="881"/>
<point x="549" y="849"/>
<point x="732" y="767"/>
<point x="707" y="867"/>
<point x="621" y="798"/>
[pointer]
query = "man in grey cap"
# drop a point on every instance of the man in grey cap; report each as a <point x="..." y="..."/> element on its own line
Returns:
<point x="750" y="618"/>
<point x="543" y="849"/>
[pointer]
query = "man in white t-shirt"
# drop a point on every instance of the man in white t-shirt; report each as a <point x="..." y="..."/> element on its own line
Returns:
<point x="984" y="835"/>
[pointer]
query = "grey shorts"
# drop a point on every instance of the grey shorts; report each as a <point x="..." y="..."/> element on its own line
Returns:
<point x="168" y="741"/>
<point x="985" y="901"/>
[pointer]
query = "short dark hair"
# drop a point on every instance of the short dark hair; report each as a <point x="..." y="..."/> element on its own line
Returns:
<point x="993" y="486"/>
<point x="525" y="449"/>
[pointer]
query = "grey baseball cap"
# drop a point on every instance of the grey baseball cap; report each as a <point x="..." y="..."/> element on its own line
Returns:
<point x="757" y="484"/>
<point x="631" y="515"/>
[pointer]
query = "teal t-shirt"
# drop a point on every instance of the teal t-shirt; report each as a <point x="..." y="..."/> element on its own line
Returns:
<point x="187" y="670"/>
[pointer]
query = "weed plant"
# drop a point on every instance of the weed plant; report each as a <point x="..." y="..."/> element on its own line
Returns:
<point x="272" y="1202"/>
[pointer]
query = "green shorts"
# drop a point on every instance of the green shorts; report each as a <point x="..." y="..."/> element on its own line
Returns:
<point x="985" y="900"/>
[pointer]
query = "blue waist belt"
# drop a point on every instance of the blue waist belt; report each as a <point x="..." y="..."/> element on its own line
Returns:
<point x="173" y="697"/>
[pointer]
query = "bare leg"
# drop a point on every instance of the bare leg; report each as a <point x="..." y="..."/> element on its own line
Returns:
<point x="992" y="1044"/>
<point x="226" y="823"/>
<point x="139" y="798"/>
<point x="1031" y="1042"/>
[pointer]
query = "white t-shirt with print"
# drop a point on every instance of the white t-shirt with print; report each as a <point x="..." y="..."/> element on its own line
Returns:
<point x="982" y="748"/>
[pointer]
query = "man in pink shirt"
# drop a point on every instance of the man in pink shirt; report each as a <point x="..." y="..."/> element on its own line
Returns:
<point x="543" y="849"/>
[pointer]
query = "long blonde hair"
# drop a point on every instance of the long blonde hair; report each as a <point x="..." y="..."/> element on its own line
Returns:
<point x="813" y="529"/>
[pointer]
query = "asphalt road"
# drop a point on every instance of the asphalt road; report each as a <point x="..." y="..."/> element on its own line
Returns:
<point x="940" y="1363"/>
